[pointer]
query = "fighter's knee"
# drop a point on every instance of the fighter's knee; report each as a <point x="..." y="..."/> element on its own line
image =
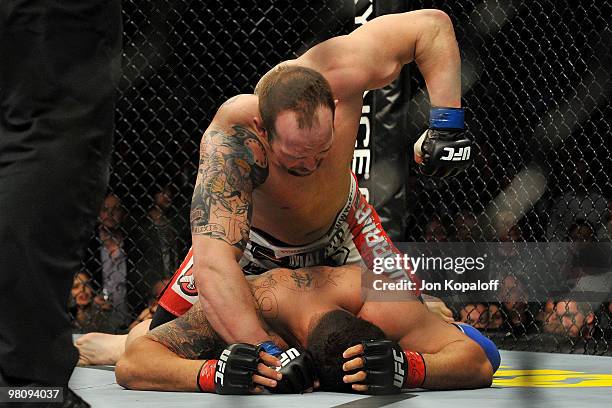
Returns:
<point x="138" y="331"/>
<point x="490" y="349"/>
<point x="479" y="365"/>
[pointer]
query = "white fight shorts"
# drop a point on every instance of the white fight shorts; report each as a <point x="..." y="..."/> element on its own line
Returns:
<point x="355" y="236"/>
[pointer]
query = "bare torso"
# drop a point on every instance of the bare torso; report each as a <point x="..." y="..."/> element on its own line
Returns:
<point x="291" y="300"/>
<point x="299" y="210"/>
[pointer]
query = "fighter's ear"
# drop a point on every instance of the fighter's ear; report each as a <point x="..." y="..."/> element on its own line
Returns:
<point x="261" y="128"/>
<point x="258" y="124"/>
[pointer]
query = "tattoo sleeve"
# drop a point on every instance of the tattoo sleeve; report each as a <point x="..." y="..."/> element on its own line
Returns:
<point x="189" y="336"/>
<point x="232" y="164"/>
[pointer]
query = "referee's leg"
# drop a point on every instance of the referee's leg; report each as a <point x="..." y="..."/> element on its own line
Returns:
<point x="60" y="66"/>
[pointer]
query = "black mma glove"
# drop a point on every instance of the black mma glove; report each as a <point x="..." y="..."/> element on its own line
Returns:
<point x="298" y="370"/>
<point x="388" y="368"/>
<point x="233" y="372"/>
<point x="443" y="149"/>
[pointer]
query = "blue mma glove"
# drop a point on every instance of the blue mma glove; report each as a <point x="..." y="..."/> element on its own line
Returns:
<point x="443" y="149"/>
<point x="270" y="348"/>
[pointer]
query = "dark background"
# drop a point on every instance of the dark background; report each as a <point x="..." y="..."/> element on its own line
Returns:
<point x="536" y="78"/>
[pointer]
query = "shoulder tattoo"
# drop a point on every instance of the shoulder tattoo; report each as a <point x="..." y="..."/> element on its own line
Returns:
<point x="189" y="336"/>
<point x="232" y="164"/>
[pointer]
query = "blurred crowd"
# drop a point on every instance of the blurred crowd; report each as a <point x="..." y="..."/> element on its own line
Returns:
<point x="129" y="260"/>
<point x="567" y="294"/>
<point x="131" y="257"/>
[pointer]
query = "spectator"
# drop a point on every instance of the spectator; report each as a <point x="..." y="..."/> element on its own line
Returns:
<point x="158" y="244"/>
<point x="504" y="265"/>
<point x="582" y="202"/>
<point x="435" y="231"/>
<point x="99" y="348"/>
<point x="510" y="264"/>
<point x="162" y="234"/>
<point x="108" y="261"/>
<point x="514" y="303"/>
<point x="148" y="312"/>
<point x="568" y="318"/>
<point x="481" y="316"/>
<point x="467" y="228"/>
<point x="590" y="273"/>
<point x="88" y="313"/>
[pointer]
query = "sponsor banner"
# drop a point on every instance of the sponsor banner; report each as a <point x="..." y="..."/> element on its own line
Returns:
<point x="362" y="156"/>
<point x="382" y="150"/>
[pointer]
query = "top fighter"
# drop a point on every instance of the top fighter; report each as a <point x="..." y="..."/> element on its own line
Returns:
<point x="274" y="185"/>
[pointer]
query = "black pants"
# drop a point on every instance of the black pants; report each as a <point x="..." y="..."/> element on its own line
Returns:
<point x="59" y="68"/>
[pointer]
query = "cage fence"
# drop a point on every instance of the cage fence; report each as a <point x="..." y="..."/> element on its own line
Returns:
<point x="536" y="88"/>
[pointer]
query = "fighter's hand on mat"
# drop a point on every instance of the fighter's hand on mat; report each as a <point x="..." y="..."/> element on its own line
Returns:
<point x="354" y="355"/>
<point x="438" y="307"/>
<point x="238" y="371"/>
<point x="382" y="367"/>
<point x="298" y="370"/>
<point x="266" y="376"/>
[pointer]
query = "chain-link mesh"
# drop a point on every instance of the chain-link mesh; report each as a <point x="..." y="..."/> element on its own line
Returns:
<point x="537" y="91"/>
<point x="181" y="60"/>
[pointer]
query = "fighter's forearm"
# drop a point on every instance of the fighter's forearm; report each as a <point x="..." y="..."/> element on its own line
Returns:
<point x="228" y="303"/>
<point x="437" y="57"/>
<point x="461" y="364"/>
<point x="148" y="365"/>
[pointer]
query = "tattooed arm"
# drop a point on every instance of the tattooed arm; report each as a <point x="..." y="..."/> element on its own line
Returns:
<point x="169" y="357"/>
<point x="232" y="164"/>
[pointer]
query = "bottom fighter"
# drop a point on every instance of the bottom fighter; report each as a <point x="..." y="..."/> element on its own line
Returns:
<point x="341" y="343"/>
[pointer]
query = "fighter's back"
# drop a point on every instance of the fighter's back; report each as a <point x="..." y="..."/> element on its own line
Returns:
<point x="294" y="299"/>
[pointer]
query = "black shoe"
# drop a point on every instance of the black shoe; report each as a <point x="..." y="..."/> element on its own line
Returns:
<point x="72" y="400"/>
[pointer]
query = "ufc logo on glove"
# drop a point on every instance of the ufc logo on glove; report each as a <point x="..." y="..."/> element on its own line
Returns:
<point x="221" y="367"/>
<point x="287" y="356"/>
<point x="444" y="149"/>
<point x="463" y="153"/>
<point x="398" y="376"/>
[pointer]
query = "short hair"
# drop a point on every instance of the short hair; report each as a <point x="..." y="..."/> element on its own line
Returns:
<point x="332" y="335"/>
<point x="298" y="89"/>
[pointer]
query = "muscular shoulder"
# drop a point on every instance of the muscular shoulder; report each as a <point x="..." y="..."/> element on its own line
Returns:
<point x="237" y="109"/>
<point x="337" y="60"/>
<point x="235" y="148"/>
